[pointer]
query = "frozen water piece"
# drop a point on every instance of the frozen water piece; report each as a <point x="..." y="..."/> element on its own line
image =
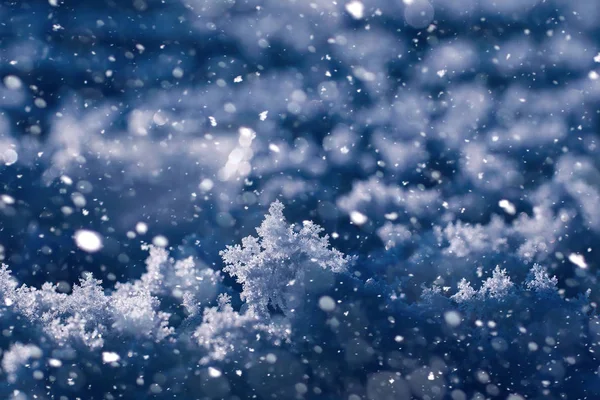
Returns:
<point x="87" y="240"/>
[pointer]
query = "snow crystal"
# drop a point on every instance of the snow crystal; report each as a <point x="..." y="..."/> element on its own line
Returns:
<point x="87" y="240"/>
<point x="141" y="228"/>
<point x="178" y="73"/>
<point x="160" y="241"/>
<point x="53" y="362"/>
<point x="9" y="156"/>
<point x="355" y="9"/>
<point x="418" y="13"/>
<point x="452" y="318"/>
<point x="358" y="218"/>
<point x="206" y="185"/>
<point x="66" y="180"/>
<point x="6" y="199"/>
<point x="78" y="199"/>
<point x="263" y="115"/>
<point x="247" y="135"/>
<point x="277" y="284"/>
<point x="274" y="148"/>
<point x="507" y="206"/>
<point x="326" y="303"/>
<point x="13" y="82"/>
<point x="110" y="357"/>
<point x="578" y="260"/>
<point x="159" y="118"/>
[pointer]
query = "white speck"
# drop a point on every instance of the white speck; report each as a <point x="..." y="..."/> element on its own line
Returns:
<point x="238" y="372"/>
<point x="6" y="199"/>
<point x="178" y="73"/>
<point x="238" y="79"/>
<point x="263" y="115"/>
<point x="213" y="121"/>
<point x="53" y="362"/>
<point x="597" y="58"/>
<point x="229" y="108"/>
<point x="507" y="206"/>
<point x="391" y="216"/>
<point x="57" y="27"/>
<point x="522" y="100"/>
<point x="593" y="75"/>
<point x="363" y="74"/>
<point x="247" y="135"/>
<point x="159" y="118"/>
<point x="110" y="357"/>
<point x="78" y="199"/>
<point x="213" y="372"/>
<point x="13" y="82"/>
<point x="431" y="377"/>
<point x="578" y="260"/>
<point x="87" y="240"/>
<point x="10" y="157"/>
<point x="452" y="318"/>
<point x="441" y="73"/>
<point x="206" y="185"/>
<point x="141" y="228"/>
<point x="160" y="241"/>
<point x="274" y="148"/>
<point x="355" y="9"/>
<point x="327" y="304"/>
<point x="53" y="3"/>
<point x="344" y="150"/>
<point x="358" y="218"/>
<point x="418" y="13"/>
<point x="399" y="339"/>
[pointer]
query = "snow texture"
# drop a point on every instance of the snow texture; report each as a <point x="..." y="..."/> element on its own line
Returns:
<point x="278" y="199"/>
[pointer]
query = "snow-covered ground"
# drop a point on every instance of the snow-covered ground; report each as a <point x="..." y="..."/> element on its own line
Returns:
<point x="289" y="199"/>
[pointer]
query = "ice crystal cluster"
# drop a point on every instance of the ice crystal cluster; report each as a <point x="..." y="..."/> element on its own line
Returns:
<point x="287" y="199"/>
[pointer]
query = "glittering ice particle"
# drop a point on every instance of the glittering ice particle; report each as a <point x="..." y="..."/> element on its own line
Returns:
<point x="355" y="9"/>
<point x="110" y="357"/>
<point x="327" y="304"/>
<point x="578" y="260"/>
<point x="358" y="218"/>
<point x="87" y="240"/>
